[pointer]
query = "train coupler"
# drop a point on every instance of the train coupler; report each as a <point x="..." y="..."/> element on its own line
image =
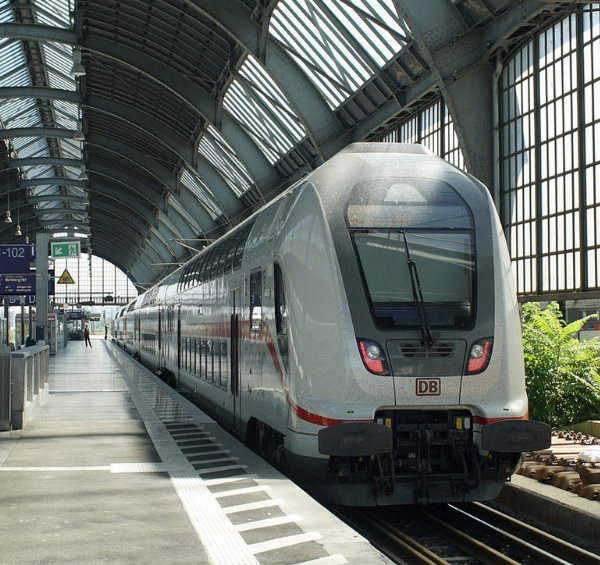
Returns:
<point x="381" y="480"/>
<point x="422" y="497"/>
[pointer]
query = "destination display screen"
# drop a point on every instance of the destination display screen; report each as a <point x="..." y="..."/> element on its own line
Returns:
<point x="407" y="203"/>
<point x="404" y="216"/>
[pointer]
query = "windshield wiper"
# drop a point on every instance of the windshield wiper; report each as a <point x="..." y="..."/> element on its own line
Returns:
<point x="428" y="339"/>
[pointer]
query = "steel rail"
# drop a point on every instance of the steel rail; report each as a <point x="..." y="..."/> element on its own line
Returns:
<point x="564" y="551"/>
<point x="418" y="552"/>
<point x="465" y="542"/>
<point x="389" y="540"/>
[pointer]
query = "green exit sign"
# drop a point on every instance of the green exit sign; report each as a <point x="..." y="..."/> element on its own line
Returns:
<point x="65" y="249"/>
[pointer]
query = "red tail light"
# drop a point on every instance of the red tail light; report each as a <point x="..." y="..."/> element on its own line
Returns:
<point x="373" y="357"/>
<point x="479" y="356"/>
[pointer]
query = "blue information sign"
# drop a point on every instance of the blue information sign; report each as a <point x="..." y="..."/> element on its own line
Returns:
<point x="15" y="259"/>
<point x="29" y="300"/>
<point x="19" y="285"/>
<point x="75" y="315"/>
<point x="24" y="285"/>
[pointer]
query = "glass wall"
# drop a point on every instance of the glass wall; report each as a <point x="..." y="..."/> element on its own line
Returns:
<point x="433" y="128"/>
<point x="94" y="279"/>
<point x="550" y="156"/>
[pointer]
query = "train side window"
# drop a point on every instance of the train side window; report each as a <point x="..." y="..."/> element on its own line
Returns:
<point x="235" y="238"/>
<point x="215" y="260"/>
<point x="225" y="245"/>
<point x="194" y="357"/>
<point x="198" y="358"/>
<point x="239" y="253"/>
<point x="210" y="368"/>
<point x="216" y="363"/>
<point x="195" y="274"/>
<point x="224" y="365"/>
<point x="256" y="301"/>
<point x="185" y="353"/>
<point x="202" y="269"/>
<point x="280" y="305"/>
<point x="207" y="266"/>
<point x="203" y="359"/>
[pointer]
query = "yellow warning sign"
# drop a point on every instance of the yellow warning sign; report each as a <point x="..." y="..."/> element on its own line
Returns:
<point x="66" y="278"/>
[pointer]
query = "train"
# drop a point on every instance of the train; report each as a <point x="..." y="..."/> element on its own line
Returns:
<point x="361" y="330"/>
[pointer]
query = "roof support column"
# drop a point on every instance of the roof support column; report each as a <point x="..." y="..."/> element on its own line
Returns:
<point x="41" y="287"/>
<point x="465" y="81"/>
<point x="470" y="103"/>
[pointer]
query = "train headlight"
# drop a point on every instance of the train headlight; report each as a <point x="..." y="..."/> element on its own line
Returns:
<point x="480" y="355"/>
<point x="373" y="352"/>
<point x="373" y="356"/>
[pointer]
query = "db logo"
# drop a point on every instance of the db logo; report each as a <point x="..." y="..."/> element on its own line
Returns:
<point x="429" y="387"/>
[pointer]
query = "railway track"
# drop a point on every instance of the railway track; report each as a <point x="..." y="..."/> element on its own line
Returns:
<point x="470" y="534"/>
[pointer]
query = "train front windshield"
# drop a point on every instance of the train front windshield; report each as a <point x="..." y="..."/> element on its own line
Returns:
<point x="414" y="240"/>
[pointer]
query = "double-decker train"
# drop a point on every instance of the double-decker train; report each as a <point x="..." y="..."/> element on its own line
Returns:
<point x="361" y="329"/>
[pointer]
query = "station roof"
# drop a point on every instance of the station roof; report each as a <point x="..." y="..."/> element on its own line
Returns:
<point x="152" y="127"/>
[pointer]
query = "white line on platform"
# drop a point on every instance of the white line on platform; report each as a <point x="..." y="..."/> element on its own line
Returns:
<point x="287" y="541"/>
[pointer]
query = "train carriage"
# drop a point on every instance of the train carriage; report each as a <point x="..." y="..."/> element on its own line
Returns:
<point x="361" y="329"/>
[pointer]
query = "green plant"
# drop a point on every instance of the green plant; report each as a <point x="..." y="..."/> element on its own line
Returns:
<point x="563" y="383"/>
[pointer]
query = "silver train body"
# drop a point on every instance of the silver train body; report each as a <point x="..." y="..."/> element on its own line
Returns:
<point x="362" y="329"/>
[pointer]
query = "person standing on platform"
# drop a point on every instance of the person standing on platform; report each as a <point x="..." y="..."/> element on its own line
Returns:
<point x="86" y="335"/>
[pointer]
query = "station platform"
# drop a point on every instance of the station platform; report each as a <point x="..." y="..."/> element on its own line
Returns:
<point x="116" y="467"/>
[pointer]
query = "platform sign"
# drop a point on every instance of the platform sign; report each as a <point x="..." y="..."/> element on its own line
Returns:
<point x="19" y="285"/>
<point x="15" y="259"/>
<point x="75" y="315"/>
<point x="66" y="278"/>
<point x="30" y="299"/>
<point x="65" y="249"/>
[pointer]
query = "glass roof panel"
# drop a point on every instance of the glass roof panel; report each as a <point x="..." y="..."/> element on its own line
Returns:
<point x="60" y="58"/>
<point x="54" y="13"/>
<point x="66" y="114"/>
<point x="339" y="44"/>
<point x="12" y="61"/>
<point x="197" y="186"/>
<point x="37" y="171"/>
<point x="26" y="112"/>
<point x="5" y="11"/>
<point x="180" y="208"/>
<point x="216" y="150"/>
<point x="70" y="148"/>
<point x="27" y="119"/>
<point x="13" y="108"/>
<point x="29" y="146"/>
<point x="261" y="107"/>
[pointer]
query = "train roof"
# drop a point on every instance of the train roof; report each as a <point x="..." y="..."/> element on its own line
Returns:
<point x="386" y="147"/>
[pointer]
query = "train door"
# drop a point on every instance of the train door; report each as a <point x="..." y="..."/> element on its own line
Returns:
<point x="235" y="309"/>
<point x="138" y="333"/>
<point x="159" y="337"/>
<point x="179" y="349"/>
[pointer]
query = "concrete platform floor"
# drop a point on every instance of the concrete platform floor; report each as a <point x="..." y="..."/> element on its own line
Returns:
<point x="115" y="467"/>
